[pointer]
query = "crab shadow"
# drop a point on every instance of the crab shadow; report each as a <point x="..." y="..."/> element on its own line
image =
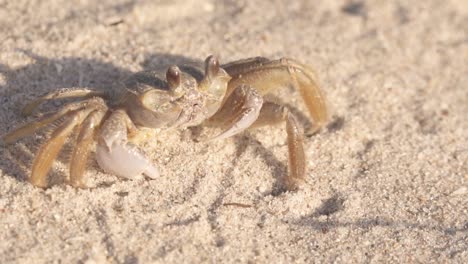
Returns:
<point x="45" y="75"/>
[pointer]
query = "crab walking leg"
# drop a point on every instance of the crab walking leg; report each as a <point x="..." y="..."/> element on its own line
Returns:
<point x="266" y="75"/>
<point x="239" y="111"/>
<point x="49" y="150"/>
<point x="61" y="94"/>
<point x="272" y="113"/>
<point x="235" y="68"/>
<point x="32" y="127"/>
<point x="82" y="149"/>
<point x="116" y="155"/>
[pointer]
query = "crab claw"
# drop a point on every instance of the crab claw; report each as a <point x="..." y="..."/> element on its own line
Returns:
<point x="125" y="160"/>
<point x="116" y="155"/>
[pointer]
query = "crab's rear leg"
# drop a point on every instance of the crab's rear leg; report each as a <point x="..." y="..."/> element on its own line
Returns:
<point x="116" y="155"/>
<point x="32" y="127"/>
<point x="50" y="149"/>
<point x="81" y="93"/>
<point x="267" y="75"/>
<point x="72" y="115"/>
<point x="82" y="149"/>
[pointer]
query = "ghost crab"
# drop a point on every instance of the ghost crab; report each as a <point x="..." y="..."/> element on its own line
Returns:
<point x="229" y="97"/>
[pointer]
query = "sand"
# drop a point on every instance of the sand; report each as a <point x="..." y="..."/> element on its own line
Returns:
<point x="386" y="180"/>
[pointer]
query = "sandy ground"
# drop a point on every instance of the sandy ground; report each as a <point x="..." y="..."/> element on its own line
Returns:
<point x="387" y="178"/>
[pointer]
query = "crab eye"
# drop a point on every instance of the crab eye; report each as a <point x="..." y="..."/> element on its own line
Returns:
<point x="173" y="77"/>
<point x="211" y="66"/>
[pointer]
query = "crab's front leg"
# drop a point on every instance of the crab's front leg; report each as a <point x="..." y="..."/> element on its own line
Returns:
<point x="238" y="112"/>
<point x="244" y="108"/>
<point x="116" y="155"/>
<point x="272" y="113"/>
<point x="267" y="75"/>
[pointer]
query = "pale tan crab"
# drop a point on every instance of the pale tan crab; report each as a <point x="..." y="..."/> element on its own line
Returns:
<point x="229" y="97"/>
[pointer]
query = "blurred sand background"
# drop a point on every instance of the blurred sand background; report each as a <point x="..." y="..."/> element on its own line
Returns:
<point x="387" y="178"/>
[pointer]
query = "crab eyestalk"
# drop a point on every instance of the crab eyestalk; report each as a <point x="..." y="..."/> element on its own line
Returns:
<point x="173" y="76"/>
<point x="173" y="80"/>
<point x="211" y="67"/>
<point x="214" y="84"/>
<point x="161" y="101"/>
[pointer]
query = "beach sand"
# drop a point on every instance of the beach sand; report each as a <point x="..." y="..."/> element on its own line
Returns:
<point x="386" y="179"/>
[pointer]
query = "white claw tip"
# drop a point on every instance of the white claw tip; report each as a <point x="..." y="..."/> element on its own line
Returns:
<point x="125" y="160"/>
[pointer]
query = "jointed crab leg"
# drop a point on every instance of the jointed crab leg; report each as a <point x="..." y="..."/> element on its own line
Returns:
<point x="60" y="94"/>
<point x="82" y="149"/>
<point x="235" y="68"/>
<point x="32" y="127"/>
<point x="243" y="109"/>
<point x="272" y="113"/>
<point x="49" y="150"/>
<point x="266" y="75"/>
